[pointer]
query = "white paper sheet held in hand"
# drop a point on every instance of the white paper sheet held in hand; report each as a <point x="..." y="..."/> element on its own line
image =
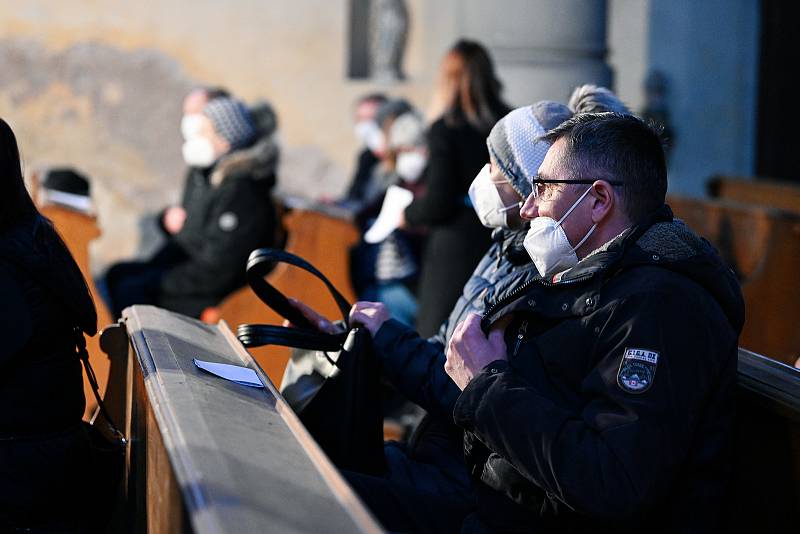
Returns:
<point x="396" y="200"/>
<point x="234" y="373"/>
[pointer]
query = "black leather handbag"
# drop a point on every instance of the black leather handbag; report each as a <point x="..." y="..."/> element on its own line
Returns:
<point x="332" y="380"/>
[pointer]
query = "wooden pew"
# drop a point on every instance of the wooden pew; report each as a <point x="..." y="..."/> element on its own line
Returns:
<point x="767" y="456"/>
<point x="208" y="455"/>
<point x="756" y="191"/>
<point x="78" y="230"/>
<point x="324" y="241"/>
<point x="762" y="245"/>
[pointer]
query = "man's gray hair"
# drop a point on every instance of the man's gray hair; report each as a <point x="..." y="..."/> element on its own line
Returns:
<point x="589" y="98"/>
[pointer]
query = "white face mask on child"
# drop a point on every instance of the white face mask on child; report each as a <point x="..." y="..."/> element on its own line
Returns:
<point x="548" y="246"/>
<point x="486" y="201"/>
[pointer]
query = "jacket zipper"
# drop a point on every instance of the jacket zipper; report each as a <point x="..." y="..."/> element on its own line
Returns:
<point x="513" y="294"/>
<point x="523" y="328"/>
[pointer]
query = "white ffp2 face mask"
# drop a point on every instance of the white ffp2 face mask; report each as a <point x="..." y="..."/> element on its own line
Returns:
<point x="370" y="135"/>
<point x="410" y="165"/>
<point x="199" y="152"/>
<point x="486" y="201"/>
<point x="191" y="125"/>
<point x="548" y="246"/>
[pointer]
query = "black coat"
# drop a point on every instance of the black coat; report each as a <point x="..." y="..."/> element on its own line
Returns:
<point x="456" y="240"/>
<point x="615" y="409"/>
<point x="229" y="213"/>
<point x="43" y="451"/>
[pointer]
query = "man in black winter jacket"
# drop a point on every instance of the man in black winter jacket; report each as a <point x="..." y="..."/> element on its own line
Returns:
<point x="601" y="395"/>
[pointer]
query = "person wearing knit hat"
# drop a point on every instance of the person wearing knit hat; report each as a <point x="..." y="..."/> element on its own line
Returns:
<point x="232" y="121"/>
<point x="226" y="212"/>
<point x="515" y="153"/>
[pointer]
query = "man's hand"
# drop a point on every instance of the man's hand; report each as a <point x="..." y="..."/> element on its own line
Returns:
<point x="469" y="351"/>
<point x="371" y="315"/>
<point x="173" y="220"/>
<point x="322" y="324"/>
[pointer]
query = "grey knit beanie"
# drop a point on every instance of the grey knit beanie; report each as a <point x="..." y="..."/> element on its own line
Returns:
<point x="232" y="121"/>
<point x="515" y="145"/>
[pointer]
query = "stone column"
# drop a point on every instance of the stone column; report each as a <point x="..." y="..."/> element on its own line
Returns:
<point x="542" y="48"/>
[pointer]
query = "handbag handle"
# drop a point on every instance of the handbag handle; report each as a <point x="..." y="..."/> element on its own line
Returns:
<point x="261" y="261"/>
<point x="257" y="335"/>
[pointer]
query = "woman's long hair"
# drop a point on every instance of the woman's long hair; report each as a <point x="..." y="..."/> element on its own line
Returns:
<point x="468" y="88"/>
<point x="15" y="202"/>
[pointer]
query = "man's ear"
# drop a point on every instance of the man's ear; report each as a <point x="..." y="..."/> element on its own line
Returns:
<point x="604" y="201"/>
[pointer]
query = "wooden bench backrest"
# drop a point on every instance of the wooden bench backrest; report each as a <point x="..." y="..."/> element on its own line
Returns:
<point x="762" y="246"/>
<point x="759" y="192"/>
<point x="323" y="241"/>
<point x="78" y="230"/>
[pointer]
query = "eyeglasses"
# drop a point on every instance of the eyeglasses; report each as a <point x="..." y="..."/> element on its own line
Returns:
<point x="539" y="184"/>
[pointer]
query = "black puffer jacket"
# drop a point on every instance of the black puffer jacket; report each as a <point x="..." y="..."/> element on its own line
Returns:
<point x="229" y="213"/>
<point x="615" y="409"/>
<point x="43" y="451"/>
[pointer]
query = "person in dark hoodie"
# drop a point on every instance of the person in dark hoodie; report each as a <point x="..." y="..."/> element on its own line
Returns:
<point x="229" y="213"/>
<point x="600" y="395"/>
<point x="44" y="452"/>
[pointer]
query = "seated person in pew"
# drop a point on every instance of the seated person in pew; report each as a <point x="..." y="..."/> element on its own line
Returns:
<point x="171" y="219"/>
<point x="45" y="457"/>
<point x="615" y="417"/>
<point x="371" y="148"/>
<point x="385" y="264"/>
<point x="229" y="212"/>
<point x="603" y="394"/>
<point x="428" y="486"/>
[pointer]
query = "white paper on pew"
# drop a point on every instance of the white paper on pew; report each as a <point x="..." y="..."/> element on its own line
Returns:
<point x="396" y="200"/>
<point x="234" y="373"/>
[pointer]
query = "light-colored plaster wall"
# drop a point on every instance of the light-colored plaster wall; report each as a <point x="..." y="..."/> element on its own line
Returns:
<point x="98" y="84"/>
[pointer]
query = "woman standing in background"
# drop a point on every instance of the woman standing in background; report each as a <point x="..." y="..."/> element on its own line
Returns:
<point x="467" y="104"/>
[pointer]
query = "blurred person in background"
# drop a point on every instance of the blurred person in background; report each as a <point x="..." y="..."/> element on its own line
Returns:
<point x="229" y="212"/>
<point x="467" y="103"/>
<point x="396" y="258"/>
<point x="45" y="457"/>
<point x="590" y="98"/>
<point x="371" y="147"/>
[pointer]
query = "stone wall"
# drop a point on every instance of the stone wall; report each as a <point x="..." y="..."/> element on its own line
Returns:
<point x="98" y="84"/>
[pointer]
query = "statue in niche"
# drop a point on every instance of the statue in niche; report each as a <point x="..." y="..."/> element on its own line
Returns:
<point x="388" y="26"/>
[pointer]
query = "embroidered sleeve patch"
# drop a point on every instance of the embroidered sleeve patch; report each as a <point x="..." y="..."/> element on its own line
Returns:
<point x="637" y="370"/>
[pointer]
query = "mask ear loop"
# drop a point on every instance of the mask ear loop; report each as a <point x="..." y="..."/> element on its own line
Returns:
<point x="575" y="205"/>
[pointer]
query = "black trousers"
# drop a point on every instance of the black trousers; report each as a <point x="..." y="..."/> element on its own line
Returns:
<point x="129" y="283"/>
<point x="425" y="489"/>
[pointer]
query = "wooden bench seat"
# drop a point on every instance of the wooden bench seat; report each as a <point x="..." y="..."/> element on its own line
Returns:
<point x="762" y="245"/>
<point x="206" y="455"/>
<point x="324" y="241"/>
<point x="209" y="455"/>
